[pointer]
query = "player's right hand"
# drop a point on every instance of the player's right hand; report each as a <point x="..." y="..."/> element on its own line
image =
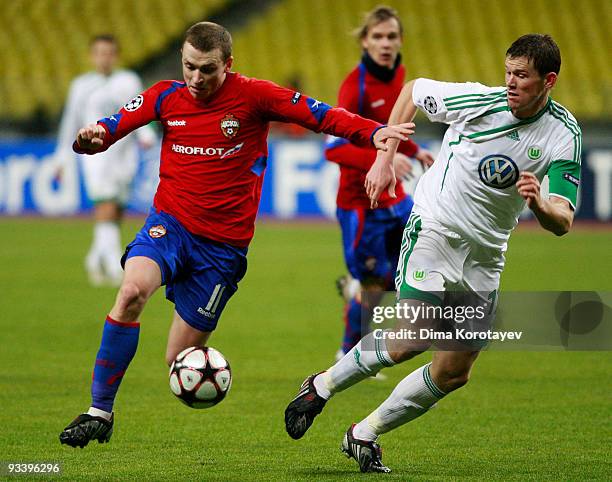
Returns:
<point x="91" y="136"/>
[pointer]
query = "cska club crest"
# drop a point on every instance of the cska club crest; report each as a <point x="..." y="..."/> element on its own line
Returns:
<point x="157" y="231"/>
<point x="230" y="126"/>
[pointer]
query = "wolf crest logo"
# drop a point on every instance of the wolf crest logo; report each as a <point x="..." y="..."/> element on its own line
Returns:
<point x="534" y="153"/>
<point x="230" y="126"/>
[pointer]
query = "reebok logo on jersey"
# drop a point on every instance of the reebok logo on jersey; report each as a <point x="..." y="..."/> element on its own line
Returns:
<point x="134" y="104"/>
<point x="574" y="180"/>
<point x="176" y="123"/>
<point x="296" y="98"/>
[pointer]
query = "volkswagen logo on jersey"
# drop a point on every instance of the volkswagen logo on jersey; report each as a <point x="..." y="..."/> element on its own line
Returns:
<point x="498" y="171"/>
<point x="229" y="126"/>
<point x="134" y="104"/>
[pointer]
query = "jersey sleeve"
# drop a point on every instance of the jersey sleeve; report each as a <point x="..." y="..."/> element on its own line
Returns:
<point x="564" y="171"/>
<point x="141" y="110"/>
<point x="451" y="103"/>
<point x="146" y="134"/>
<point x="276" y="103"/>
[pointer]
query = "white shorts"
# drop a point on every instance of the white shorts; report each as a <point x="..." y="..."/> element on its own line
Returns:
<point x="435" y="261"/>
<point x="108" y="175"/>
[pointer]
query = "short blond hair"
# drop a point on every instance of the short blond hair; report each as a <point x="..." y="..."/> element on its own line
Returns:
<point x="375" y="16"/>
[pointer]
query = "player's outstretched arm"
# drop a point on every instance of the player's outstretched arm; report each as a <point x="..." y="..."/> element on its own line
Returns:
<point x="91" y="137"/>
<point x="381" y="175"/>
<point x="554" y="214"/>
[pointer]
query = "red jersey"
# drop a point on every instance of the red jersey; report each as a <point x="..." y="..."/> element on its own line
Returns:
<point x="365" y="94"/>
<point x="214" y="152"/>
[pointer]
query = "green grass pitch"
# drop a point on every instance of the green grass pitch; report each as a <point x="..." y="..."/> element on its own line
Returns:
<point x="524" y="416"/>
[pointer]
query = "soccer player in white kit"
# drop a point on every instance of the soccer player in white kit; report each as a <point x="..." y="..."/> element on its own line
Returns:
<point x="107" y="175"/>
<point x="499" y="145"/>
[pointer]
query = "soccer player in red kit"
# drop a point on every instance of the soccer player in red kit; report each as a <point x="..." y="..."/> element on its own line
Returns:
<point x="371" y="238"/>
<point x="195" y="239"/>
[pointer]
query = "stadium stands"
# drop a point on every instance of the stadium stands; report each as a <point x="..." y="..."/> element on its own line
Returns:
<point x="45" y="43"/>
<point x="454" y="40"/>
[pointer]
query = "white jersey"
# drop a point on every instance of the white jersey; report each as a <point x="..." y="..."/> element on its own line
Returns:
<point x="470" y="188"/>
<point x="93" y="96"/>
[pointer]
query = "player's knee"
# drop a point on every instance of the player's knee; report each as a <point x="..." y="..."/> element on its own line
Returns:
<point x="457" y="381"/>
<point x="401" y="356"/>
<point x="131" y="298"/>
<point x="401" y="352"/>
<point x="452" y="378"/>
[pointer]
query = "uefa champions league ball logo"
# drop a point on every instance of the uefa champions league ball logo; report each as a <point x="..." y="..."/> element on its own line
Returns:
<point x="134" y="104"/>
<point x="430" y="104"/>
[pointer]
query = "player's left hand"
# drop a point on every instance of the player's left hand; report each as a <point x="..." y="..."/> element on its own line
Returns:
<point x="399" y="131"/>
<point x="380" y="176"/>
<point x="528" y="187"/>
<point x="424" y="157"/>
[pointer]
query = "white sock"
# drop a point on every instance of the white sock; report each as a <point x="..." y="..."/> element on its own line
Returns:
<point x="108" y="240"/>
<point x="411" y="398"/>
<point x="96" y="412"/>
<point x="321" y="387"/>
<point x="93" y="261"/>
<point x="364" y="360"/>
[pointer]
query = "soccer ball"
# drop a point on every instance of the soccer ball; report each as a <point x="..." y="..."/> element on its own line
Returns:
<point x="200" y="377"/>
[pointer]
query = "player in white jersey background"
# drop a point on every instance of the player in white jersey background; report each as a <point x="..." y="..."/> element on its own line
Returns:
<point x="107" y="175"/>
<point x="499" y="145"/>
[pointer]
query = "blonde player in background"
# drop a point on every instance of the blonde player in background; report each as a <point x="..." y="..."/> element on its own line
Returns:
<point x="107" y="175"/>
